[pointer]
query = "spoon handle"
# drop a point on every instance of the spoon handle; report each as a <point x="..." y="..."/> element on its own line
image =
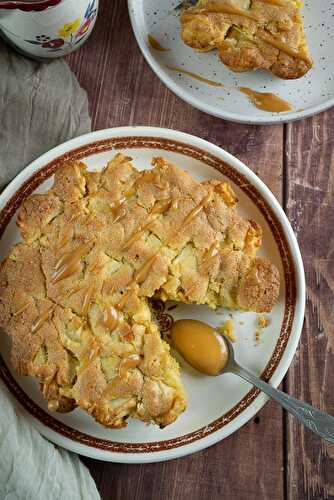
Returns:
<point x="318" y="421"/>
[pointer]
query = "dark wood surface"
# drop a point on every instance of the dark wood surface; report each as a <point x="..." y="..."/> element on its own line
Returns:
<point x="272" y="457"/>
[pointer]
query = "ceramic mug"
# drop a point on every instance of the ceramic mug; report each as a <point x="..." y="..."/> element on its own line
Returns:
<point x="47" y="28"/>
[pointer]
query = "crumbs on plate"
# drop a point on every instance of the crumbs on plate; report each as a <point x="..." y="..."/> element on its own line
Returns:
<point x="261" y="322"/>
<point x="227" y="328"/>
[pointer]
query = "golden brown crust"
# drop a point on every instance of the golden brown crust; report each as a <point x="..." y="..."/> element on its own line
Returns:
<point x="262" y="34"/>
<point x="74" y="295"/>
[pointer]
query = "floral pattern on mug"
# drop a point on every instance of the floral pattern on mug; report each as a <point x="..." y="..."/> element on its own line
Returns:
<point x="69" y="28"/>
<point x="70" y="34"/>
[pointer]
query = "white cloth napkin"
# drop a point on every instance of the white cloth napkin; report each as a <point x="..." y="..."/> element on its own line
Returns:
<point x="41" y="105"/>
<point x="31" y="468"/>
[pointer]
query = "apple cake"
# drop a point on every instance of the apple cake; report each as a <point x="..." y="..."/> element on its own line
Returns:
<point x="75" y="293"/>
<point x="249" y="35"/>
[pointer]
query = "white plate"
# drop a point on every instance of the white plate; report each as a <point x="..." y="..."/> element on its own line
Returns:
<point x="308" y="95"/>
<point x="218" y="406"/>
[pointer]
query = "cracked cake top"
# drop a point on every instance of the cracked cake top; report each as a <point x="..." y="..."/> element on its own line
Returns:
<point x="250" y="34"/>
<point x="74" y="295"/>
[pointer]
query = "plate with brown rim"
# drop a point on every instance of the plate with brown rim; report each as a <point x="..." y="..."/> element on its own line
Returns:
<point x="218" y="406"/>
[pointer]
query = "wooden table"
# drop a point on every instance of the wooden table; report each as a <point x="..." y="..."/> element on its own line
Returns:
<point x="272" y="457"/>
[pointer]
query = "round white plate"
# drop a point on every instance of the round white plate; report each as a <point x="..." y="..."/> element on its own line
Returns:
<point x="308" y="95"/>
<point x="218" y="406"/>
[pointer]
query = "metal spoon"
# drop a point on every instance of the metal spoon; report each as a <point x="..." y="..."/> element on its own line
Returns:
<point x="199" y="343"/>
<point x="318" y="421"/>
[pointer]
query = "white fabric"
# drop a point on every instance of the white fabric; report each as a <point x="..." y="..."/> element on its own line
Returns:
<point x="41" y="105"/>
<point x="31" y="468"/>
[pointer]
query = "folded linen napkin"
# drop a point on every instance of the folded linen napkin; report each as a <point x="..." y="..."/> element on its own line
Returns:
<point x="41" y="105"/>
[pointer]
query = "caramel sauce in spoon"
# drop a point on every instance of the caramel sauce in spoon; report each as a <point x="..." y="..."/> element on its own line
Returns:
<point x="200" y="345"/>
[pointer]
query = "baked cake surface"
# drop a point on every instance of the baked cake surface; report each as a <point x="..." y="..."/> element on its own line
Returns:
<point x="257" y="34"/>
<point x="74" y="295"/>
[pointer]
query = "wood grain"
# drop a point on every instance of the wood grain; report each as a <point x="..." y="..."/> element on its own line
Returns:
<point x="123" y="91"/>
<point x="309" y="159"/>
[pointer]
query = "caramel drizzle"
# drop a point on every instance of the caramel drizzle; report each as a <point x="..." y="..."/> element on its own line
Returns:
<point x="117" y="208"/>
<point x="283" y="47"/>
<point x="68" y="264"/>
<point x="20" y="311"/>
<point x="89" y="359"/>
<point x="155" y="44"/>
<point x="110" y="318"/>
<point x="267" y="101"/>
<point x="212" y="251"/>
<point x="137" y="235"/>
<point x="161" y="207"/>
<point x="158" y="209"/>
<point x="63" y="242"/>
<point x="217" y="7"/>
<point x="131" y="361"/>
<point x="38" y="323"/>
<point x="195" y="211"/>
<point x="279" y="3"/>
<point x="87" y="300"/>
<point x="142" y="273"/>
<point x="200" y="78"/>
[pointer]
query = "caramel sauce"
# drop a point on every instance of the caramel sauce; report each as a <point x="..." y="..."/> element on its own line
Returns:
<point x="68" y="263"/>
<point x="137" y="235"/>
<point x="131" y="361"/>
<point x="195" y="211"/>
<point x="73" y="291"/>
<point x="155" y="44"/>
<point x="39" y="322"/>
<point x="89" y="358"/>
<point x="161" y="207"/>
<point x="21" y="310"/>
<point x="87" y="300"/>
<point x="63" y="242"/>
<point x="262" y="100"/>
<point x="218" y="7"/>
<point x="117" y="208"/>
<point x="200" y="78"/>
<point x="280" y="3"/>
<point x="200" y="345"/>
<point x="110" y="318"/>
<point x="142" y="273"/>
<point x="284" y="47"/>
<point x="210" y="254"/>
<point x="266" y="101"/>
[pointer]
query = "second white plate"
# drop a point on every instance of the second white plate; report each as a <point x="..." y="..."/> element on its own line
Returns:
<point x="308" y="95"/>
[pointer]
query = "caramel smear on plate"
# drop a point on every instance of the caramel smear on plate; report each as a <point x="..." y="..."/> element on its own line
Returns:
<point x="200" y="78"/>
<point x="155" y="44"/>
<point x="267" y="101"/>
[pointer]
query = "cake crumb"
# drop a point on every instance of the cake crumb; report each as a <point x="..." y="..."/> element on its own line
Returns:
<point x="262" y="321"/>
<point x="227" y="328"/>
<point x="258" y="334"/>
